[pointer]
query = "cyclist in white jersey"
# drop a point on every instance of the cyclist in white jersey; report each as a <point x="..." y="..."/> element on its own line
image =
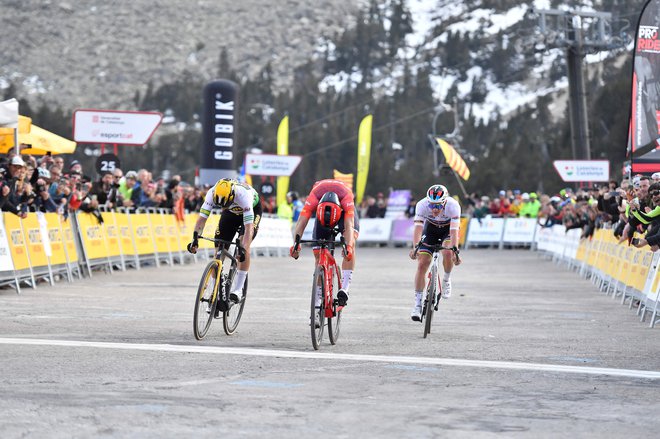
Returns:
<point x="241" y="212"/>
<point x="437" y="221"/>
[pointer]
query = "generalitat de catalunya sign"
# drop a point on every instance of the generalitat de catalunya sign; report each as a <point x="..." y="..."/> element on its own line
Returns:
<point x="583" y="170"/>
<point x="270" y="164"/>
<point x="121" y="127"/>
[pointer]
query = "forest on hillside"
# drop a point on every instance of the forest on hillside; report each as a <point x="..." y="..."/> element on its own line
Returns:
<point x="506" y="151"/>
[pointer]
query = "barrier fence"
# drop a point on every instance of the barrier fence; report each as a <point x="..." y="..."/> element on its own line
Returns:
<point x="46" y="247"/>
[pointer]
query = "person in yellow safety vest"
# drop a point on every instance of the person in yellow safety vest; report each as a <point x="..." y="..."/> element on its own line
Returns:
<point x="285" y="211"/>
<point x="530" y="205"/>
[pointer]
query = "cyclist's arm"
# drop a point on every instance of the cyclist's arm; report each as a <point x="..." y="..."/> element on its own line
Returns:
<point x="348" y="234"/>
<point x="247" y="237"/>
<point x="417" y="232"/>
<point x="199" y="225"/>
<point x="301" y="224"/>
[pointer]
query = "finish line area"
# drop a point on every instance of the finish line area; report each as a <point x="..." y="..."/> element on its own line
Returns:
<point x="523" y="345"/>
<point x="503" y="365"/>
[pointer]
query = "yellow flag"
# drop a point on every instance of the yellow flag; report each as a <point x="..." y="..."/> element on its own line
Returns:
<point x="347" y="179"/>
<point x="454" y="159"/>
<point x="282" y="149"/>
<point x="364" y="152"/>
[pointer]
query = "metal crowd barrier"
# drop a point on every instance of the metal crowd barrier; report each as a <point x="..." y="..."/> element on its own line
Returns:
<point x="48" y="247"/>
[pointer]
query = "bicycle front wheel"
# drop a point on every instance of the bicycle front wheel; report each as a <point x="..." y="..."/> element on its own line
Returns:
<point x="333" y="322"/>
<point x="205" y="301"/>
<point x="232" y="316"/>
<point x="431" y="292"/>
<point x="317" y="313"/>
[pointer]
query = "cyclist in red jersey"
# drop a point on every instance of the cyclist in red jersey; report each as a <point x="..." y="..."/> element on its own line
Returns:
<point x="333" y="203"/>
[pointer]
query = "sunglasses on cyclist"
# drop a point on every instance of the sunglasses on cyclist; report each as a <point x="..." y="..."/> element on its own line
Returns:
<point x="654" y="193"/>
<point x="436" y="205"/>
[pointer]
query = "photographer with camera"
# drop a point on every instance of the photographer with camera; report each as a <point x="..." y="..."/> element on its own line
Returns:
<point x="13" y="187"/>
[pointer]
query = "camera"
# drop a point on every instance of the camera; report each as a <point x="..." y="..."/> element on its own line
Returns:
<point x="635" y="242"/>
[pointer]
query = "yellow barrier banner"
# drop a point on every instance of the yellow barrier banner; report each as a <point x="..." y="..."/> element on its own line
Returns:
<point x="111" y="232"/>
<point x="186" y="232"/>
<point x="144" y="240"/>
<point x="158" y="230"/>
<point x="363" y="155"/>
<point x="92" y="236"/>
<point x="463" y="230"/>
<point x="55" y="235"/>
<point x="172" y="232"/>
<point x="35" y="245"/>
<point x="69" y="241"/>
<point x="17" y="245"/>
<point x="125" y="234"/>
<point x="209" y="231"/>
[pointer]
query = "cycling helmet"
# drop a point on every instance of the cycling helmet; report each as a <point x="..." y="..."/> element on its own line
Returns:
<point x="437" y="194"/>
<point x="329" y="210"/>
<point x="223" y="192"/>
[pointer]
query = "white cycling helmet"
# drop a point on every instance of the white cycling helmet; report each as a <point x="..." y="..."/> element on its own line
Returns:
<point x="437" y="194"/>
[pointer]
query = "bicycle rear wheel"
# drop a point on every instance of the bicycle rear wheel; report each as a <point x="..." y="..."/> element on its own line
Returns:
<point x="317" y="313"/>
<point x="431" y="292"/>
<point x="232" y="316"/>
<point x="335" y="320"/>
<point x="205" y="302"/>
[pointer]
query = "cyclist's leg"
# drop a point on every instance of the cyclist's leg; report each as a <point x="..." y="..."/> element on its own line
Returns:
<point x="347" y="267"/>
<point x="447" y="266"/>
<point x="228" y="226"/>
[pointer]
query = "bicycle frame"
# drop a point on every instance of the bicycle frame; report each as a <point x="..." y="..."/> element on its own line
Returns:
<point x="219" y="256"/>
<point x="328" y="262"/>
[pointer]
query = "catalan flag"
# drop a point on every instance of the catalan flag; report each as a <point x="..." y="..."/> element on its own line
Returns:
<point x="454" y="159"/>
<point x="347" y="179"/>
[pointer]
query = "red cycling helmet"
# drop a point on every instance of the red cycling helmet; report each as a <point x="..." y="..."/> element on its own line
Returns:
<point x="329" y="210"/>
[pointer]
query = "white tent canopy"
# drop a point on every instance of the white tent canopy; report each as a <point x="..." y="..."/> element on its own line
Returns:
<point x="9" y="113"/>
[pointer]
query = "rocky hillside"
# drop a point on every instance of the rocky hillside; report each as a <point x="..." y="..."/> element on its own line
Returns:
<point x="98" y="53"/>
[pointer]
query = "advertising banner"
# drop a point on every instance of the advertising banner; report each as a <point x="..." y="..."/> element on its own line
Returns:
<point x="143" y="238"/>
<point x="364" y="153"/>
<point x="402" y="230"/>
<point x="219" y="131"/>
<point x="583" y="170"/>
<point x="485" y="231"/>
<point x="283" y="150"/>
<point x="111" y="234"/>
<point x="34" y="243"/>
<point x="271" y="164"/>
<point x="454" y="159"/>
<point x="519" y="230"/>
<point x="5" y="253"/>
<point x="17" y="246"/>
<point x="92" y="236"/>
<point x="397" y="203"/>
<point x="69" y="241"/>
<point x="56" y="239"/>
<point x="125" y="234"/>
<point x="644" y="129"/>
<point x="108" y="126"/>
<point x="375" y="229"/>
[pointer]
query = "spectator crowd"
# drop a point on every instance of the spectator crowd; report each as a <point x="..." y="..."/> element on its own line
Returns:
<point x="48" y="184"/>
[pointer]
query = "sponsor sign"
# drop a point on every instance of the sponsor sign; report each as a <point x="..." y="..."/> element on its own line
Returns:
<point x="485" y="231"/>
<point x="402" y="230"/>
<point x="583" y="170"/>
<point x="270" y="164"/>
<point x="6" y="263"/>
<point x="519" y="230"/>
<point x="122" y="127"/>
<point x="375" y="229"/>
<point x="219" y="131"/>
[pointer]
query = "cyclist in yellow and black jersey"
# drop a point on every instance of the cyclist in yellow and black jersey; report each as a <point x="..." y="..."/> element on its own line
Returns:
<point x="241" y="212"/>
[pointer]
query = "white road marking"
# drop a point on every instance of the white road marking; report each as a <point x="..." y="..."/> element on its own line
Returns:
<point x="503" y="365"/>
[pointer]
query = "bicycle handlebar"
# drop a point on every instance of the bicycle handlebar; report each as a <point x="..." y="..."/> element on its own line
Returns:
<point x="237" y="243"/>
<point x="437" y="248"/>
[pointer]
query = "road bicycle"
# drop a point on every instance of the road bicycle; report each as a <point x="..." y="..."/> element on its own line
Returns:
<point x="213" y="292"/>
<point x="327" y="275"/>
<point x="433" y="289"/>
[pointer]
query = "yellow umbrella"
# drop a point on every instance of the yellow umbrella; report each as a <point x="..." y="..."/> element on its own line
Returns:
<point x="24" y="125"/>
<point x="41" y="141"/>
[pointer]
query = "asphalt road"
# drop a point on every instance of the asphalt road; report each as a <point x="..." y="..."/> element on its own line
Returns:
<point x="524" y="348"/>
